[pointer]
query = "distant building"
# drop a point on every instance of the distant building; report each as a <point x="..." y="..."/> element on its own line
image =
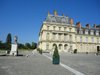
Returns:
<point x="61" y="30"/>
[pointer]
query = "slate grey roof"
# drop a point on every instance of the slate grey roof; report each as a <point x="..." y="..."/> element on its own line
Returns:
<point x="57" y="19"/>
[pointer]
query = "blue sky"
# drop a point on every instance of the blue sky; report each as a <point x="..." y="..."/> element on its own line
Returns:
<point x="24" y="17"/>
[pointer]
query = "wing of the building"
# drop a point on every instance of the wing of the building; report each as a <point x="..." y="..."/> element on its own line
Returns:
<point x="60" y="30"/>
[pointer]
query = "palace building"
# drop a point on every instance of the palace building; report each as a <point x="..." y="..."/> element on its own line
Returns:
<point x="62" y="31"/>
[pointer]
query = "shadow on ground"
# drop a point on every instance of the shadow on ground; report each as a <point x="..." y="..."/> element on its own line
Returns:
<point x="11" y="55"/>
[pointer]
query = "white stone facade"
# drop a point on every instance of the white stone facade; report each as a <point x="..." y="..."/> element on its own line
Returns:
<point x="60" y="30"/>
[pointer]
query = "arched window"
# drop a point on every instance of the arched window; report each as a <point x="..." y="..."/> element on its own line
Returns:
<point x="59" y="37"/>
<point x="59" y="28"/>
<point x="60" y="46"/>
<point x="53" y="46"/>
<point x="65" y="37"/>
<point x="65" y="47"/>
<point x="54" y="27"/>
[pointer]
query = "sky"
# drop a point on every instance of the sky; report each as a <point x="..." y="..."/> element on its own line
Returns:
<point x="23" y="18"/>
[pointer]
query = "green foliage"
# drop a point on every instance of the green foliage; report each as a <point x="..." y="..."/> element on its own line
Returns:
<point x="4" y="46"/>
<point x="75" y="51"/>
<point x="7" y="44"/>
<point x="34" y="45"/>
<point x="56" y="54"/>
<point x="39" y="50"/>
<point x="9" y="39"/>
<point x="21" y="46"/>
<point x="56" y="57"/>
<point x="27" y="46"/>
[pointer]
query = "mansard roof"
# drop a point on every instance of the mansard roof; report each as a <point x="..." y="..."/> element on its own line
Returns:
<point x="57" y="19"/>
<point x="98" y="26"/>
<point x="84" y="28"/>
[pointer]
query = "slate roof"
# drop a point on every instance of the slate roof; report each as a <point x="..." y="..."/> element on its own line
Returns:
<point x="57" y="19"/>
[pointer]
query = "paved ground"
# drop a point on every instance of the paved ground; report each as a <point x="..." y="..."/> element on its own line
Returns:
<point x="40" y="65"/>
<point x="33" y="65"/>
<point x="88" y="64"/>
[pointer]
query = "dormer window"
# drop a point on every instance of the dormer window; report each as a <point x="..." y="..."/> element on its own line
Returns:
<point x="97" y="32"/>
<point x="58" y="19"/>
<point x="53" y="19"/>
<point x="86" y="31"/>
<point x="81" y="32"/>
<point x="91" y="32"/>
<point x="63" y="20"/>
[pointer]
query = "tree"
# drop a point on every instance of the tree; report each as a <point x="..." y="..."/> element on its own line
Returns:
<point x="9" y="39"/>
<point x="34" y="45"/>
<point x="8" y="42"/>
<point x="21" y="46"/>
<point x="1" y="45"/>
<point x="27" y="45"/>
<point x="56" y="57"/>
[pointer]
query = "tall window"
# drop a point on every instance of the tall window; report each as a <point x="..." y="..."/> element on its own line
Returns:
<point x="60" y="46"/>
<point x="70" y="37"/>
<point x="47" y="46"/>
<point x="65" y="37"/>
<point x="65" y="47"/>
<point x="59" y="37"/>
<point x="64" y="28"/>
<point x="59" y="28"/>
<point x="70" y="29"/>
<point x="54" y="35"/>
<point x="97" y="40"/>
<point x="48" y="27"/>
<point x="80" y="38"/>
<point x="86" y="39"/>
<point x="47" y="36"/>
<point x="92" y="39"/>
<point x="54" y="27"/>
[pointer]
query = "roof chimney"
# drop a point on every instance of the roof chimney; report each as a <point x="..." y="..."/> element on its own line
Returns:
<point x="94" y="26"/>
<point x="62" y="14"/>
<point x="88" y="26"/>
<point x="71" y="21"/>
<point x="78" y="24"/>
<point x="55" y="13"/>
<point x="48" y="13"/>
